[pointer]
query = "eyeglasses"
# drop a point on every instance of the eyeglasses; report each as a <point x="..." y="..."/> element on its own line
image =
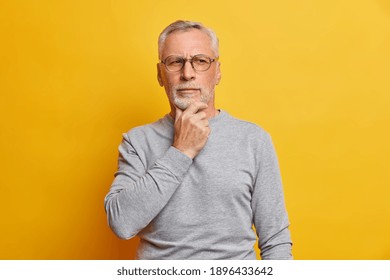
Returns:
<point x="199" y="62"/>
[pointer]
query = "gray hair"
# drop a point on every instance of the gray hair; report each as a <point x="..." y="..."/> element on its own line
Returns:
<point x="181" y="25"/>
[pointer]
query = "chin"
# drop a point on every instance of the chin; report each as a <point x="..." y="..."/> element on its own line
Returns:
<point x="182" y="103"/>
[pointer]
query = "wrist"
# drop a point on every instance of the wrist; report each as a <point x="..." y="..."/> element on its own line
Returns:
<point x="188" y="152"/>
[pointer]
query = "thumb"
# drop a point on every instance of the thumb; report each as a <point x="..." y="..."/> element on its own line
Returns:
<point x="178" y="113"/>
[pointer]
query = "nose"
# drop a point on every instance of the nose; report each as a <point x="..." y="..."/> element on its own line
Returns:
<point x="188" y="73"/>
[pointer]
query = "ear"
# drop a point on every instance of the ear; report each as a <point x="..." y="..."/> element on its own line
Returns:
<point x="218" y="74"/>
<point x="159" y="78"/>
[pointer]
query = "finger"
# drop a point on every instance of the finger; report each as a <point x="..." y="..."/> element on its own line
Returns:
<point x="199" y="116"/>
<point x="196" y="106"/>
<point x="178" y="113"/>
<point x="208" y="132"/>
<point x="204" y="123"/>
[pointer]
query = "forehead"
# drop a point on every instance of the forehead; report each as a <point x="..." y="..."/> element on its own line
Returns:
<point x="187" y="43"/>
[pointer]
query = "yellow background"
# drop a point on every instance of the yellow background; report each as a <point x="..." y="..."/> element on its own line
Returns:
<point x="76" y="74"/>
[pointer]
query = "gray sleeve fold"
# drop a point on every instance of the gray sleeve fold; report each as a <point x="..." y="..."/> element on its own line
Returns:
<point x="137" y="195"/>
<point x="269" y="212"/>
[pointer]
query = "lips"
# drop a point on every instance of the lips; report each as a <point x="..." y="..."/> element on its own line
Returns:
<point x="188" y="89"/>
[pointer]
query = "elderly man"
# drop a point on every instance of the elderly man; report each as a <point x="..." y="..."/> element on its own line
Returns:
<point x="192" y="184"/>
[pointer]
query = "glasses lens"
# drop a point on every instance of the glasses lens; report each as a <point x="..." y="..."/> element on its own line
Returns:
<point x="174" y="63"/>
<point x="201" y="62"/>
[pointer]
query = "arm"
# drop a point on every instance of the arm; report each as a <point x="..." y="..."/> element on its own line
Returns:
<point x="137" y="195"/>
<point x="269" y="212"/>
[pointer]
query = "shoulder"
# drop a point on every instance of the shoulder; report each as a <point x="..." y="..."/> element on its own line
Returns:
<point x="159" y="127"/>
<point x="247" y="129"/>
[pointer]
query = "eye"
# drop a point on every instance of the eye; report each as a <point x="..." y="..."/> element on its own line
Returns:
<point x="172" y="61"/>
<point x="201" y="60"/>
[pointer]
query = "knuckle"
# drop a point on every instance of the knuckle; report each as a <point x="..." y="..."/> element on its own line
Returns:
<point x="186" y="118"/>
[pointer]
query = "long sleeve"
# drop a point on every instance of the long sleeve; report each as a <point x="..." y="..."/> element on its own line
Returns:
<point x="269" y="212"/>
<point x="138" y="194"/>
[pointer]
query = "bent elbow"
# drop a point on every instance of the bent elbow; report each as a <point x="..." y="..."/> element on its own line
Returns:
<point x="117" y="223"/>
<point x="121" y="232"/>
<point x="120" y="228"/>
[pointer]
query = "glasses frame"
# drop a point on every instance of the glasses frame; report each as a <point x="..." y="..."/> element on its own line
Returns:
<point x="190" y="60"/>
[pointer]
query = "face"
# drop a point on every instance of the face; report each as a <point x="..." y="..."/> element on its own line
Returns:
<point x="187" y="85"/>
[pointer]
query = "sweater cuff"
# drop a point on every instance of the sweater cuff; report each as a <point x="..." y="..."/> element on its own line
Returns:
<point x="176" y="162"/>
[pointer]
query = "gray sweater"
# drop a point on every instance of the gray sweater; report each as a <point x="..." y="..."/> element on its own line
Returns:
<point x="202" y="208"/>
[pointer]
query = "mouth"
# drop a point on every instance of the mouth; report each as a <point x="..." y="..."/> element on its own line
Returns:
<point x="188" y="90"/>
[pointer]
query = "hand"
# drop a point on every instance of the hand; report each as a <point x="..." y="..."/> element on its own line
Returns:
<point x="191" y="129"/>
